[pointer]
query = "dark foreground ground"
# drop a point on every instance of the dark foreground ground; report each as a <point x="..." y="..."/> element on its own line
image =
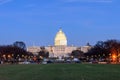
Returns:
<point x="60" y="72"/>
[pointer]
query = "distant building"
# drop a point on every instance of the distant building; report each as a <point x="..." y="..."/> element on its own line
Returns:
<point x="34" y="49"/>
<point x="60" y="47"/>
<point x="86" y="48"/>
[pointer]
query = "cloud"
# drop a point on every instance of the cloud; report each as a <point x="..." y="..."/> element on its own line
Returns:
<point x="99" y="1"/>
<point x="4" y="1"/>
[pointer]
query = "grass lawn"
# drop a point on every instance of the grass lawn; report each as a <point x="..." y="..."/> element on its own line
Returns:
<point x="60" y="72"/>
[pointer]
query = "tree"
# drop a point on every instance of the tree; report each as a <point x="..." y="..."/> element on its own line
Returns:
<point x="20" y="44"/>
<point x="105" y="49"/>
<point x="114" y="48"/>
<point x="12" y="52"/>
<point x="43" y="53"/>
<point x="77" y="53"/>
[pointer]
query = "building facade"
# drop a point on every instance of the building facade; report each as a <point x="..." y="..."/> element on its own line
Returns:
<point x="60" y="47"/>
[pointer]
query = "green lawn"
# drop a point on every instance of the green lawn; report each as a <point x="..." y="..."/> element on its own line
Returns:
<point x="60" y="72"/>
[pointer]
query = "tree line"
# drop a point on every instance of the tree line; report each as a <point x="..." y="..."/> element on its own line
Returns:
<point x="18" y="52"/>
<point x="108" y="50"/>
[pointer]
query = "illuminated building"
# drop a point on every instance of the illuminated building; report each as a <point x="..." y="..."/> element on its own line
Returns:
<point x="60" y="47"/>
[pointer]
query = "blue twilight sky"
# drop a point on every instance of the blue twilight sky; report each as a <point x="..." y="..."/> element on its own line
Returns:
<point x="37" y="21"/>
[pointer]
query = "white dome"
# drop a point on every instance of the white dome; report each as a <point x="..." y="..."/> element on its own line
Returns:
<point x="60" y="38"/>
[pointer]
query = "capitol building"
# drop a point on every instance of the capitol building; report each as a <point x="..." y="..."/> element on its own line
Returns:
<point x="60" y="47"/>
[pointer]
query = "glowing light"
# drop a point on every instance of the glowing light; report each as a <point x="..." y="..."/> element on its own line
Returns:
<point x="41" y="57"/>
<point x="9" y="56"/>
<point x="22" y="55"/>
<point x="12" y="54"/>
<point x="114" y="56"/>
<point x="3" y="55"/>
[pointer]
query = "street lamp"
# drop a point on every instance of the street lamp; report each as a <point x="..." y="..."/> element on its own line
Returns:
<point x="114" y="57"/>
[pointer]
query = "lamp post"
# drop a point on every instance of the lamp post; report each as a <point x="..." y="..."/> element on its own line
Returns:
<point x="114" y="58"/>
